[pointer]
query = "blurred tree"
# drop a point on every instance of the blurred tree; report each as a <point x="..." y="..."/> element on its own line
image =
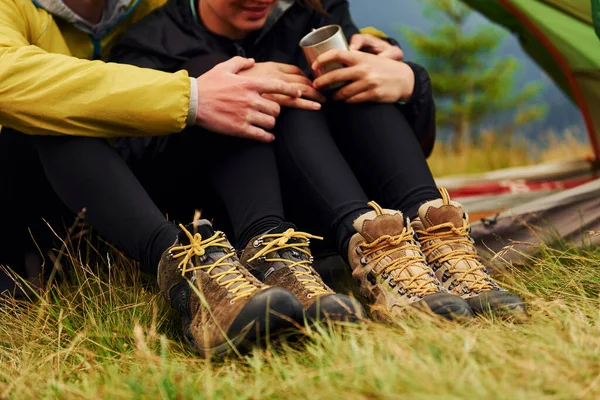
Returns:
<point x="469" y="84"/>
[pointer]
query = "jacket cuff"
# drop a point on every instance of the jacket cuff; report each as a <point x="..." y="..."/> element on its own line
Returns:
<point x="422" y="84"/>
<point x="193" y="108"/>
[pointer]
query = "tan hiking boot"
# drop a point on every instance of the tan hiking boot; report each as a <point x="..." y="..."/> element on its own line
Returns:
<point x="282" y="257"/>
<point x="391" y="270"/>
<point x="226" y="306"/>
<point x="444" y="233"/>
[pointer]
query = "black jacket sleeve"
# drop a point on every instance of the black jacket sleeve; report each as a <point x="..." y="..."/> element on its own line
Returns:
<point x="420" y="110"/>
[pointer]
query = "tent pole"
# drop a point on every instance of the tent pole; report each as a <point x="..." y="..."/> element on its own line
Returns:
<point x="564" y="66"/>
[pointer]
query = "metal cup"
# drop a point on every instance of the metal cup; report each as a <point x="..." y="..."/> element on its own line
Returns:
<point x="320" y="41"/>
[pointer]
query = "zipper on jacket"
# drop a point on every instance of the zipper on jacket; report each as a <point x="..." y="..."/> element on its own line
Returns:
<point x="239" y="49"/>
<point x="97" y="43"/>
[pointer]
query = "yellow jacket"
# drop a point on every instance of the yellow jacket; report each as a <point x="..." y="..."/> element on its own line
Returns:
<point x="45" y="91"/>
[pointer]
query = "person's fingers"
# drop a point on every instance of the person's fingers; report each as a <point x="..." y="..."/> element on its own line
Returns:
<point x="352" y="90"/>
<point x="363" y="97"/>
<point x="268" y="106"/>
<point x="357" y="41"/>
<point x="310" y="93"/>
<point x="236" y="64"/>
<point x="256" y="133"/>
<point x="289" y="69"/>
<point x="298" y="79"/>
<point x="291" y="102"/>
<point x="260" y="120"/>
<point x="393" y="53"/>
<point x="345" y="57"/>
<point x="339" y="75"/>
<point x="274" y="86"/>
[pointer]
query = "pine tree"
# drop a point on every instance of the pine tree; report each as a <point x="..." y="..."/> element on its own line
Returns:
<point x="469" y="85"/>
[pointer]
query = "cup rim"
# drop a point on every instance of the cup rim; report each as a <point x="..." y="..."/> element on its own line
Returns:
<point x="339" y="28"/>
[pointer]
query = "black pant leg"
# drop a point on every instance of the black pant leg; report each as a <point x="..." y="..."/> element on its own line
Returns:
<point x="384" y="153"/>
<point x="88" y="174"/>
<point x="320" y="189"/>
<point x="201" y="170"/>
<point x="29" y="205"/>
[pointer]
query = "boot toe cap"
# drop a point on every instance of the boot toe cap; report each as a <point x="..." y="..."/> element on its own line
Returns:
<point x="336" y="307"/>
<point x="269" y="311"/>
<point x="448" y="306"/>
<point x="499" y="303"/>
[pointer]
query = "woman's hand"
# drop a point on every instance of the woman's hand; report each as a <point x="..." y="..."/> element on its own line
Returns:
<point x="311" y="98"/>
<point x="374" y="45"/>
<point x="372" y="78"/>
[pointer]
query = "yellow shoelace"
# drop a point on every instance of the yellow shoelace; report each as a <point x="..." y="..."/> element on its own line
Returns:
<point x="449" y="235"/>
<point x="198" y="246"/>
<point x="301" y="269"/>
<point x="420" y="284"/>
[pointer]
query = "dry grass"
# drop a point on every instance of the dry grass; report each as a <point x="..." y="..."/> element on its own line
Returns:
<point x="107" y="335"/>
<point x="494" y="153"/>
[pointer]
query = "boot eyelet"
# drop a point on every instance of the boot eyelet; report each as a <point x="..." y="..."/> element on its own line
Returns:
<point x="232" y="302"/>
<point x="372" y="278"/>
<point x="179" y="269"/>
<point x="385" y="276"/>
<point x="169" y="256"/>
<point x="257" y="243"/>
<point x="363" y="261"/>
<point x="359" y="249"/>
<point x="309" y="296"/>
<point x="401" y="292"/>
<point x="295" y="254"/>
<point x="392" y="284"/>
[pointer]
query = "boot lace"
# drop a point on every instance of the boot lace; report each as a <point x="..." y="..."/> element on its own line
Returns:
<point x="301" y="269"/>
<point x="229" y="277"/>
<point x="420" y="284"/>
<point x="435" y="237"/>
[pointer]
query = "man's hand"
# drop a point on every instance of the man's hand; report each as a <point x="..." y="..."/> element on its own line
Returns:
<point x="234" y="105"/>
<point x="374" y="45"/>
<point x="372" y="78"/>
<point x="291" y="74"/>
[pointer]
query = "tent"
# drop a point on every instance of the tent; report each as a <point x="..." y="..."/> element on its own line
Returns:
<point x="560" y="35"/>
<point x="516" y="209"/>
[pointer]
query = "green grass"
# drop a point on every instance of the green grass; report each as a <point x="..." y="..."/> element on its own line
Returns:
<point x="110" y="335"/>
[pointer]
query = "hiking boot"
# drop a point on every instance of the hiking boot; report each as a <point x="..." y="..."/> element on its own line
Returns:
<point x="444" y="233"/>
<point x="222" y="305"/>
<point x="282" y="257"/>
<point x="391" y="270"/>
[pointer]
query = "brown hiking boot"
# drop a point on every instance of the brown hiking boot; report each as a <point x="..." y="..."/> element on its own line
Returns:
<point x="223" y="305"/>
<point x="444" y="233"/>
<point x="281" y="257"/>
<point x="391" y="270"/>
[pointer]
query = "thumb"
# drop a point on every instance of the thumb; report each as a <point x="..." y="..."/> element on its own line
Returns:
<point x="236" y="64"/>
<point x="357" y="42"/>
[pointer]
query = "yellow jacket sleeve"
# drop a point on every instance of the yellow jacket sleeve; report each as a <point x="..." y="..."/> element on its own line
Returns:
<point x="45" y="91"/>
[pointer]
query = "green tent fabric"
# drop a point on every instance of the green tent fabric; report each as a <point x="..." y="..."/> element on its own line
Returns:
<point x="596" y="15"/>
<point x="560" y="35"/>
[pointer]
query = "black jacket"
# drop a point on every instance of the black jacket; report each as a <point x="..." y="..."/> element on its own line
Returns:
<point x="172" y="35"/>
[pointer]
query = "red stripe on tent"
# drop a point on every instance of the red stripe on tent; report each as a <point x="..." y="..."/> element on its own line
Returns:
<point x="564" y="66"/>
<point x="516" y="186"/>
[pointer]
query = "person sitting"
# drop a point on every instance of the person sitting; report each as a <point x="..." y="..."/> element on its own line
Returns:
<point x="54" y="80"/>
<point x="360" y="145"/>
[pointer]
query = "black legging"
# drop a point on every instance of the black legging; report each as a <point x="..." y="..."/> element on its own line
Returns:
<point x="332" y="162"/>
<point x="88" y="173"/>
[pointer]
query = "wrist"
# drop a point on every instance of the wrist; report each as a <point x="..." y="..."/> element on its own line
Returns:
<point x="409" y="84"/>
